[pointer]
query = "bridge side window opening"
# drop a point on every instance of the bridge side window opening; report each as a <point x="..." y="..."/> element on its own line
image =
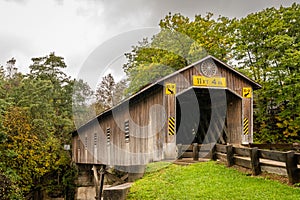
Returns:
<point x="126" y="128"/>
<point x="86" y="142"/>
<point x="78" y="144"/>
<point x="95" y="139"/>
<point x="78" y="148"/>
<point x="108" y="136"/>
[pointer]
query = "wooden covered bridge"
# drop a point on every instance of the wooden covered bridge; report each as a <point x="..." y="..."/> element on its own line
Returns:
<point x="206" y="102"/>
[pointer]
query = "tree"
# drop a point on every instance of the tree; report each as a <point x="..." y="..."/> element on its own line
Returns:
<point x="36" y="111"/>
<point x="265" y="44"/>
<point x="179" y="43"/>
<point x="11" y="68"/>
<point x="36" y="157"/>
<point x="119" y="93"/>
<point x="144" y="75"/>
<point x="5" y="187"/>
<point x="267" y="48"/>
<point x="48" y="69"/>
<point x="109" y="93"/>
<point x="81" y="100"/>
<point x="105" y="93"/>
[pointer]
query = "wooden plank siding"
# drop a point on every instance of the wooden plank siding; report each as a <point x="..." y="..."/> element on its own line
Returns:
<point x="148" y="112"/>
<point x="236" y="107"/>
<point x="144" y="126"/>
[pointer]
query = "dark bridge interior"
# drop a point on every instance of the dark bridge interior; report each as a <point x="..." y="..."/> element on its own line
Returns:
<point x="201" y="112"/>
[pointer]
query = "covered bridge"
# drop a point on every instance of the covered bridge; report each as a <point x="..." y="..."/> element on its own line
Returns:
<point x="206" y="102"/>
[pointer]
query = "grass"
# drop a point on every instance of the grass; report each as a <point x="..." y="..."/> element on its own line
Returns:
<point x="207" y="180"/>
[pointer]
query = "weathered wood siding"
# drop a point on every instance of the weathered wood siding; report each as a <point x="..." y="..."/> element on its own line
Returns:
<point x="184" y="79"/>
<point x="234" y="119"/>
<point x="148" y="113"/>
<point x="146" y="135"/>
<point x="236" y="112"/>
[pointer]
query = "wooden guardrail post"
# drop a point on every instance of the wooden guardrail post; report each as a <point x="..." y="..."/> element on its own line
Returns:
<point x="255" y="161"/>
<point x="213" y="155"/>
<point x="229" y="155"/>
<point x="179" y="151"/>
<point x="291" y="167"/>
<point x="195" y="151"/>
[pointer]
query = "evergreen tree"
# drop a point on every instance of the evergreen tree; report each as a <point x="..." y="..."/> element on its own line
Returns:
<point x="105" y="93"/>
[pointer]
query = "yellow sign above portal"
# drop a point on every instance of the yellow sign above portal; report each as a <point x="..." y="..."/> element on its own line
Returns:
<point x="170" y="88"/>
<point x="209" y="81"/>
<point x="247" y="92"/>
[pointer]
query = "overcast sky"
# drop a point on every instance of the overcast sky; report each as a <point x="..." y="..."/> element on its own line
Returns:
<point x="73" y="29"/>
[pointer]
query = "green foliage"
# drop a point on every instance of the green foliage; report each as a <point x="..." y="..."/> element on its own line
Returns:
<point x="267" y="47"/>
<point x="8" y="185"/>
<point x="61" y="182"/>
<point x="36" y="113"/>
<point x="35" y="123"/>
<point x="82" y="95"/>
<point x="104" y="93"/>
<point x="264" y="46"/>
<point x="207" y="181"/>
<point x="109" y="93"/>
<point x="33" y="158"/>
<point x="145" y="75"/>
<point x="55" y="88"/>
<point x="179" y="43"/>
<point x="156" y="166"/>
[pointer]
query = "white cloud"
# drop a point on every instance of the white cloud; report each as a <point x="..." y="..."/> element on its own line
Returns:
<point x="74" y="28"/>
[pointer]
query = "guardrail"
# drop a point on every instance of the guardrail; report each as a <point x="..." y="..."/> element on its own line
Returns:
<point x="284" y="163"/>
<point x="255" y="159"/>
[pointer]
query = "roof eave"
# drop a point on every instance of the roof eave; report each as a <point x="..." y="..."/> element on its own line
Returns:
<point x="161" y="81"/>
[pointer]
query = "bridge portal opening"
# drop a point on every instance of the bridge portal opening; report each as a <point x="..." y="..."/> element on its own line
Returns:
<point x="208" y="115"/>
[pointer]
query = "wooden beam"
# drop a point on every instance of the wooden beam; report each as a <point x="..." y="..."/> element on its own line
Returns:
<point x="102" y="173"/>
<point x="213" y="153"/>
<point x="242" y="151"/>
<point x="230" y="155"/>
<point x="242" y="162"/>
<point x="291" y="167"/>
<point x="220" y="156"/>
<point x="96" y="181"/>
<point x="116" y="180"/>
<point x="221" y="148"/>
<point x="179" y="151"/>
<point x="195" y="151"/>
<point x="297" y="155"/>
<point x="273" y="155"/>
<point x="255" y="166"/>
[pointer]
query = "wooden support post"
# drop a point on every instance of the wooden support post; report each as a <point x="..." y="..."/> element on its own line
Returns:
<point x="179" y="151"/>
<point x="291" y="167"/>
<point x="255" y="161"/>
<point x="102" y="173"/>
<point x="213" y="155"/>
<point x="195" y="151"/>
<point x="96" y="181"/>
<point x="229" y="155"/>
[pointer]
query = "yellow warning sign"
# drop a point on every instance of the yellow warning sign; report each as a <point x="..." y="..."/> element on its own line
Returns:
<point x="209" y="81"/>
<point x="247" y="92"/>
<point x="171" y="129"/>
<point x="246" y="126"/>
<point x="170" y="88"/>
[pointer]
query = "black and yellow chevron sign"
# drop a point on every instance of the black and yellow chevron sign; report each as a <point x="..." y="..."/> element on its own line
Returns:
<point x="247" y="92"/>
<point x="246" y="126"/>
<point x="170" y="88"/>
<point x="171" y="126"/>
